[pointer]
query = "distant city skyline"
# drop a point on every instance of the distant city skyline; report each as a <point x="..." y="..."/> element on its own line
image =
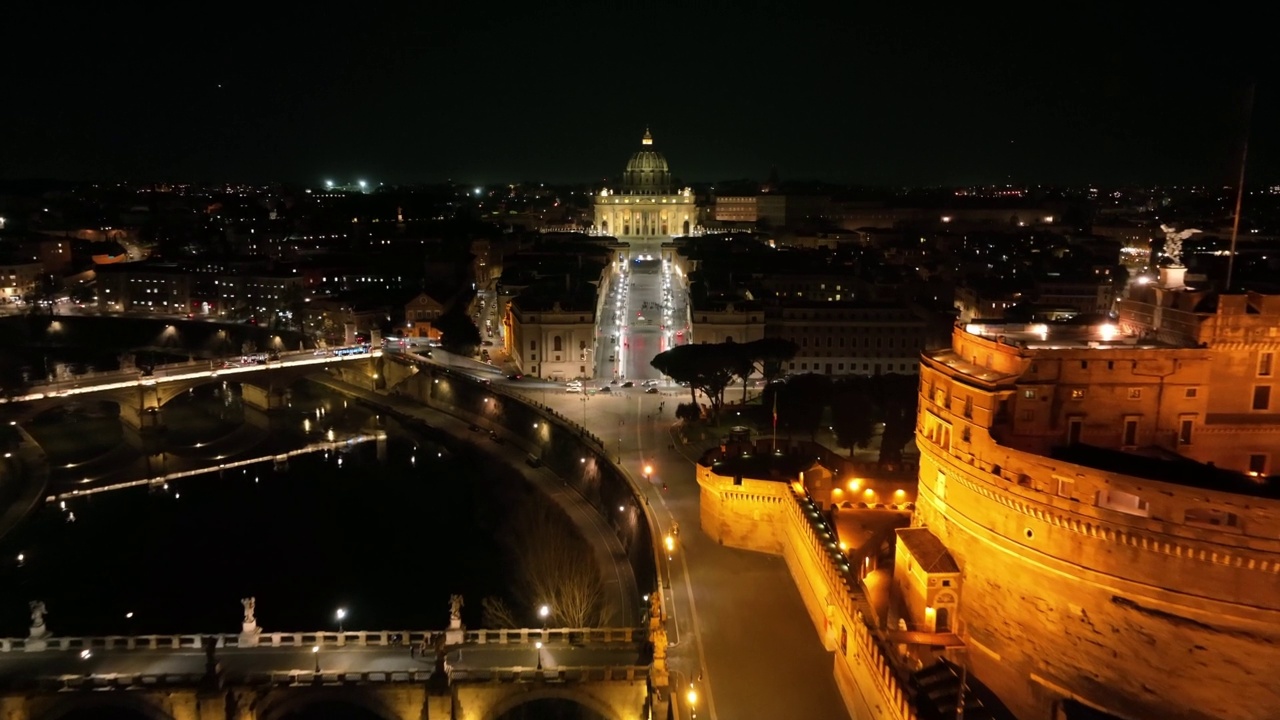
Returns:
<point x="563" y="92"/>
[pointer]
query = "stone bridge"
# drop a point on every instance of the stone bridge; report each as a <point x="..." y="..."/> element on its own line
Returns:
<point x="141" y="399"/>
<point x="474" y="675"/>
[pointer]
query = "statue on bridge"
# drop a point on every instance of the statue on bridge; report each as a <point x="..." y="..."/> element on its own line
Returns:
<point x="455" y="610"/>
<point x="39" y="631"/>
<point x="38" y="611"/>
<point x="249" y="630"/>
<point x="456" y="633"/>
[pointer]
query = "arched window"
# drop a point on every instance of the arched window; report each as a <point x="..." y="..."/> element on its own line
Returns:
<point x="557" y="344"/>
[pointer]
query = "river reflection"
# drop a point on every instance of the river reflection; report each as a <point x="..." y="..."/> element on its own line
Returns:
<point x="387" y="539"/>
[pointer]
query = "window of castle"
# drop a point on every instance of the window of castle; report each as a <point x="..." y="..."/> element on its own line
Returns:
<point x="1258" y="464"/>
<point x="1261" y="397"/>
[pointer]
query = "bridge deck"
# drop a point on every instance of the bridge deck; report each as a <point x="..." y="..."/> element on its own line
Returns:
<point x="497" y="656"/>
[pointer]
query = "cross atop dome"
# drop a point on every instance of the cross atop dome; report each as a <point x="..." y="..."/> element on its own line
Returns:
<point x="647" y="139"/>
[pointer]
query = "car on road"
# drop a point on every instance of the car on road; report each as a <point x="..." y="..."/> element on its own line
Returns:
<point x="649" y="383"/>
<point x="613" y="381"/>
<point x="628" y="384"/>
<point x="651" y="391"/>
<point x="606" y="389"/>
<point x="475" y="428"/>
<point x="573" y="389"/>
<point x="514" y="376"/>
<point x="494" y="436"/>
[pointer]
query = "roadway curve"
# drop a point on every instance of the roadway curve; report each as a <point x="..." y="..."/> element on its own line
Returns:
<point x="621" y="593"/>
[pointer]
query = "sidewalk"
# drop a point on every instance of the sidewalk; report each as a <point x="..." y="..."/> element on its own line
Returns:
<point x="620" y="591"/>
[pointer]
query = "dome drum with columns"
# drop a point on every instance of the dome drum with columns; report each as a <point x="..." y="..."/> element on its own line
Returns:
<point x="647" y="206"/>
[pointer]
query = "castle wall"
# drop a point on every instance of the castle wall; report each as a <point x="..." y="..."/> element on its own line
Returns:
<point x="1140" y="616"/>
<point x="770" y="516"/>
<point x="747" y="516"/>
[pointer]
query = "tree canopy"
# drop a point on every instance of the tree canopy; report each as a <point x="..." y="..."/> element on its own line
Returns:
<point x="711" y="367"/>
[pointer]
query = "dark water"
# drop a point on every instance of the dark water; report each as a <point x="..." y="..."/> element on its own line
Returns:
<point x="387" y="540"/>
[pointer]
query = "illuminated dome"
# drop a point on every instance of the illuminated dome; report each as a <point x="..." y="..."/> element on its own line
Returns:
<point x="647" y="172"/>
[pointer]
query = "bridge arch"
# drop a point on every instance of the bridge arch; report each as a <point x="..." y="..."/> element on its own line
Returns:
<point x="91" y="704"/>
<point x="282" y="703"/>
<point x="511" y="696"/>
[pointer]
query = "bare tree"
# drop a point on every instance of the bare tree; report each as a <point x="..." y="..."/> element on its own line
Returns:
<point x="496" y="614"/>
<point x="556" y="566"/>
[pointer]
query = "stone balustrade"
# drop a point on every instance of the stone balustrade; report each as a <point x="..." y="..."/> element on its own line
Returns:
<point x="329" y="640"/>
<point x="559" y="673"/>
<point x="293" y="678"/>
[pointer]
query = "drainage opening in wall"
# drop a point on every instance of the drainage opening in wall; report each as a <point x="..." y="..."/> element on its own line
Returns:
<point x="1029" y="534"/>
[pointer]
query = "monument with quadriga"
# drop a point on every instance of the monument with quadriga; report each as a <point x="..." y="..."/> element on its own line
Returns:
<point x="249" y="630"/>
<point x="37" y="638"/>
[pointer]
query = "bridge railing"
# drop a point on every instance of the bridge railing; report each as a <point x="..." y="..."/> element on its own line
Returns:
<point x="362" y="638"/>
<point x="514" y="674"/>
<point x="568" y="673"/>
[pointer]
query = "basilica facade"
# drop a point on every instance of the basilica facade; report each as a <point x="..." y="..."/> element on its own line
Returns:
<point x="647" y="205"/>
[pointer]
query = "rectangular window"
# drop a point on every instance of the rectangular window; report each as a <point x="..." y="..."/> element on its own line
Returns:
<point x="1065" y="487"/>
<point x="1135" y="393"/>
<point x="1258" y="464"/>
<point x="1077" y="394"/>
<point x="1191" y="393"/>
<point x="1124" y="502"/>
<point x="1184" y="430"/>
<point x="1261" y="397"/>
<point x="968" y="406"/>
<point x="1265" y="361"/>
<point x="1029" y="394"/>
<point x="1074" y="427"/>
<point x="1211" y="518"/>
<point x="1130" y="436"/>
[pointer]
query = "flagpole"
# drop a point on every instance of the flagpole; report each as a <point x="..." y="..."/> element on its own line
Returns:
<point x="775" y="421"/>
<point x="1235" y="222"/>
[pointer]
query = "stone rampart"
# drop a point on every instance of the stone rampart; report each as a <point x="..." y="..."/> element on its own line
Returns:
<point x="1114" y="591"/>
<point x="778" y="518"/>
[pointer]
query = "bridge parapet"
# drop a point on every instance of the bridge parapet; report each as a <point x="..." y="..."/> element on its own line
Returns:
<point x="515" y="674"/>
<point x="292" y="678"/>
<point x="379" y="638"/>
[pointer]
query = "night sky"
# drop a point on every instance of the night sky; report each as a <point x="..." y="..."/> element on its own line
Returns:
<point x="485" y="92"/>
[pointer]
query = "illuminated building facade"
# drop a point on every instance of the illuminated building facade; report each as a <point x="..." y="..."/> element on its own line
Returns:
<point x="647" y="206"/>
<point x="1106" y="491"/>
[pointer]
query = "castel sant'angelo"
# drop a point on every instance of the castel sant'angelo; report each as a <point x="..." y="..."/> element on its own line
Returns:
<point x="1094" y="531"/>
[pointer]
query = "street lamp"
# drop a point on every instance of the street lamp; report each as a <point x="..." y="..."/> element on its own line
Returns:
<point x="692" y="697"/>
<point x="538" y="646"/>
<point x="341" y="615"/>
<point x="544" y="612"/>
<point x="315" y="651"/>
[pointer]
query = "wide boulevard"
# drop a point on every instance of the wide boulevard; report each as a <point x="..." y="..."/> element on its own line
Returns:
<point x="741" y="634"/>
